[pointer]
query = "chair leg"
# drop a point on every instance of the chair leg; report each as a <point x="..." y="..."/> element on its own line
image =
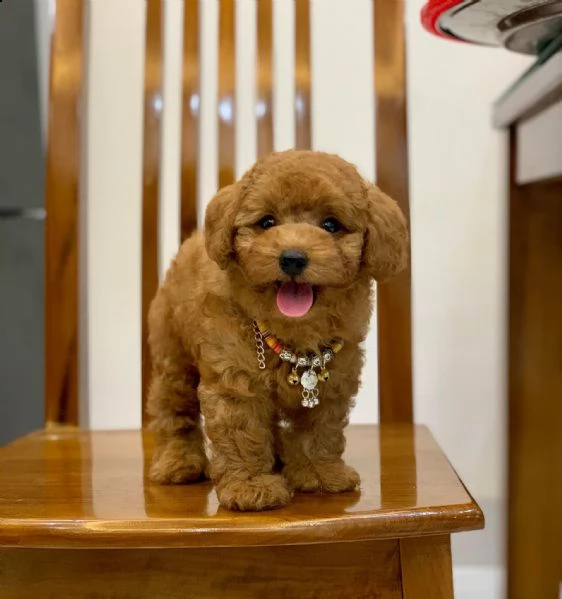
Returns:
<point x="427" y="570"/>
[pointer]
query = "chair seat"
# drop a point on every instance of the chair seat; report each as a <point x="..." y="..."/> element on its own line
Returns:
<point x="71" y="488"/>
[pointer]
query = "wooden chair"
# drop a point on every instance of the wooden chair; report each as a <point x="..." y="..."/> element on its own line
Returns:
<point x="78" y="518"/>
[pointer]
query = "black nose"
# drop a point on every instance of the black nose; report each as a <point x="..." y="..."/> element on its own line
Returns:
<point x="293" y="262"/>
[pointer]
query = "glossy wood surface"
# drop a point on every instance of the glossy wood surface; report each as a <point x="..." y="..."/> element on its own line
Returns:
<point x="191" y="94"/>
<point x="303" y="128"/>
<point x="264" y="105"/>
<point x="151" y="175"/>
<point x="427" y="569"/>
<point x="394" y="297"/>
<point x="534" y="543"/>
<point x="227" y="92"/>
<point x="367" y="569"/>
<point x="61" y="225"/>
<point x="88" y="489"/>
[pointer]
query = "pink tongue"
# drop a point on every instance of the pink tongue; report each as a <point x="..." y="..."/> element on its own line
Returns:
<point x="295" y="299"/>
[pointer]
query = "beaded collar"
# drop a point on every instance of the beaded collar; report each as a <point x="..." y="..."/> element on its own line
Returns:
<point x="310" y="362"/>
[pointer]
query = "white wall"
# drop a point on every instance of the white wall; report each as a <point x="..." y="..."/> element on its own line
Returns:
<point x="458" y="198"/>
<point x="111" y="191"/>
<point x="458" y="183"/>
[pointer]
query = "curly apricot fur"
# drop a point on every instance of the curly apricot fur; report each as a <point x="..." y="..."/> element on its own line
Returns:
<point x="264" y="444"/>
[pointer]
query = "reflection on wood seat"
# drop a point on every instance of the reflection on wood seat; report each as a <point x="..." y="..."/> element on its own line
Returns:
<point x="85" y="489"/>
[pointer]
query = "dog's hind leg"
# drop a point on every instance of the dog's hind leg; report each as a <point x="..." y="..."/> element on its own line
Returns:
<point x="179" y="454"/>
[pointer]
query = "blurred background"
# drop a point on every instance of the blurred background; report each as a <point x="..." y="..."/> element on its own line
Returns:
<point x="458" y="193"/>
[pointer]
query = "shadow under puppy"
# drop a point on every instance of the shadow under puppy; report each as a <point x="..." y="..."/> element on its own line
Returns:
<point x="258" y="326"/>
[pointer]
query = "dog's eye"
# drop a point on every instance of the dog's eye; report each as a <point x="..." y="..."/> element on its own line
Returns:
<point x="332" y="225"/>
<point x="267" y="222"/>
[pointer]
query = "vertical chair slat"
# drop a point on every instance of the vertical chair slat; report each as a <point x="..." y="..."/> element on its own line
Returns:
<point x="191" y="94"/>
<point x="264" y="105"/>
<point x="227" y="86"/>
<point x="61" y="227"/>
<point x="303" y="133"/>
<point x="151" y="175"/>
<point x="394" y="298"/>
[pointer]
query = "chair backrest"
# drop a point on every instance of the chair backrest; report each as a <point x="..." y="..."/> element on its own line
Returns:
<point x="64" y="225"/>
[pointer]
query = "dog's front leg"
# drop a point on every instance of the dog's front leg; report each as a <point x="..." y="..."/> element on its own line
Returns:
<point x="242" y="452"/>
<point x="311" y="449"/>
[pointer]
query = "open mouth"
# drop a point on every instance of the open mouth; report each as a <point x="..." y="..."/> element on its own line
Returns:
<point x="295" y="300"/>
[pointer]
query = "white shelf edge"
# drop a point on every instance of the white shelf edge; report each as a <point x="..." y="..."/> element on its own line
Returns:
<point x="531" y="93"/>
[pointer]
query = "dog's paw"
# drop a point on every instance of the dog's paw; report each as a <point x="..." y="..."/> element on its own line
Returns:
<point x="332" y="477"/>
<point x="302" y="479"/>
<point x="337" y="477"/>
<point x="263" y="492"/>
<point x="173" y="468"/>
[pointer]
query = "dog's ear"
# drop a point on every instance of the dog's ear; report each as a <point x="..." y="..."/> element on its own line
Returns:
<point x="219" y="224"/>
<point x="385" y="251"/>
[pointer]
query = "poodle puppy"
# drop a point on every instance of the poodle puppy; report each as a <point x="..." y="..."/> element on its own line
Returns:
<point x="258" y="327"/>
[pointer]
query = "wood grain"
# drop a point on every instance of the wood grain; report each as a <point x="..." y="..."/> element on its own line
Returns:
<point x="151" y="177"/>
<point x="427" y="570"/>
<point x="91" y="491"/>
<point x="61" y="226"/>
<point x="191" y="95"/>
<point x="535" y="388"/>
<point x="227" y="92"/>
<point x="303" y="128"/>
<point x="402" y="464"/>
<point x="394" y="297"/>
<point x="264" y="67"/>
<point x="368" y="569"/>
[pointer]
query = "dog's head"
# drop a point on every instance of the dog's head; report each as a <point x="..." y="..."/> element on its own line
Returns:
<point x="300" y="227"/>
